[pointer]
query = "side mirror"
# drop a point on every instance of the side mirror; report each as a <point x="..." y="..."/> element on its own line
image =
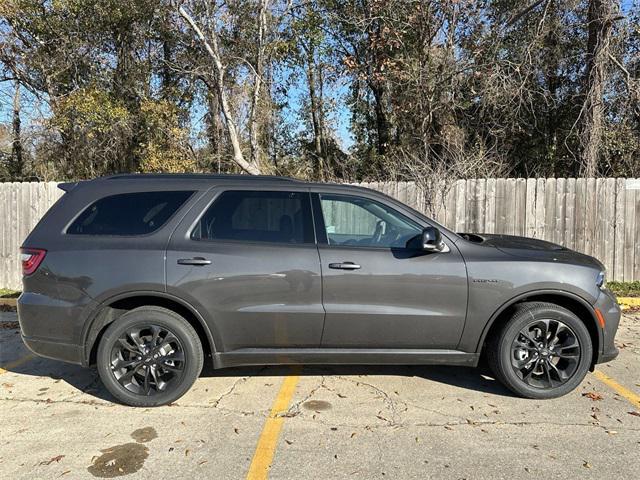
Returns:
<point x="432" y="240"/>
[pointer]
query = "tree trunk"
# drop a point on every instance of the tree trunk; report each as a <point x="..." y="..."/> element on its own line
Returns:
<point x="382" y="124"/>
<point x="254" y="118"/>
<point x="599" y="30"/>
<point x="212" y="49"/>
<point x="17" y="162"/>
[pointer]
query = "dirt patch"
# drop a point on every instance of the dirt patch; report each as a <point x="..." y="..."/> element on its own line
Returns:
<point x="9" y="325"/>
<point x="119" y="460"/>
<point x="144" y="435"/>
<point x="316" y="405"/>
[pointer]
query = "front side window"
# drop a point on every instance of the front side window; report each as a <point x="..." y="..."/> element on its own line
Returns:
<point x="357" y="221"/>
<point x="128" y="214"/>
<point x="257" y="216"/>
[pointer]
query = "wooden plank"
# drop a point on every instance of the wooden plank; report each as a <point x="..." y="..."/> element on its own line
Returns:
<point x="636" y="238"/>
<point x="521" y="207"/>
<point x="530" y="208"/>
<point x="590" y="217"/>
<point x="609" y="223"/>
<point x="559" y="231"/>
<point x="630" y="220"/>
<point x="490" y="206"/>
<point x="550" y="209"/>
<point x="599" y="221"/>
<point x="451" y="206"/>
<point x="541" y="186"/>
<point x="4" y="241"/>
<point x="461" y="206"/>
<point x="581" y="210"/>
<point x="480" y="196"/>
<point x="570" y="214"/>
<point x="470" y="194"/>
<point x="501" y="206"/>
<point x="619" y="226"/>
<point x="510" y="205"/>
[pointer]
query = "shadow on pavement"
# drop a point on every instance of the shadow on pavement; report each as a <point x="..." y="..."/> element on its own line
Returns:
<point x="86" y="380"/>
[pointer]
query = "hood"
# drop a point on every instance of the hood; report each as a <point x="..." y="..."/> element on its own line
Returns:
<point x="533" y="248"/>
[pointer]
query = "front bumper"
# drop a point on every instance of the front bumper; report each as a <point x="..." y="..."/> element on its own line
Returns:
<point x="608" y="305"/>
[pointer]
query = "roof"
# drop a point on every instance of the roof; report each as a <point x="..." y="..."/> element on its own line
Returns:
<point x="197" y="176"/>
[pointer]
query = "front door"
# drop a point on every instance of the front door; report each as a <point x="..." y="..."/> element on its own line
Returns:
<point x="247" y="260"/>
<point x="378" y="293"/>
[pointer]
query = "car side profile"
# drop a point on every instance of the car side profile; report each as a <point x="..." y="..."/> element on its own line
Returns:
<point x="145" y="276"/>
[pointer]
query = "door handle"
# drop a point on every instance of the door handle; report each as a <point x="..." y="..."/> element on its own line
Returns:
<point x="344" y="266"/>
<point x="197" y="261"/>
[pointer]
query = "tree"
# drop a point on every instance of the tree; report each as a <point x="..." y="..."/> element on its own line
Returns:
<point x="600" y="23"/>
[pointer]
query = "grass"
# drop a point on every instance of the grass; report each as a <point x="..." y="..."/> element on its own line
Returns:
<point x="625" y="289"/>
<point x="6" y="293"/>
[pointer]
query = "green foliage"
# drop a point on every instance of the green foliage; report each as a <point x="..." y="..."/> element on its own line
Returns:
<point x="165" y="145"/>
<point x="625" y="289"/>
<point x="428" y="88"/>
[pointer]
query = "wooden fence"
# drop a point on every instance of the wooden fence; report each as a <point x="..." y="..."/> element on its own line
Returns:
<point x="600" y="217"/>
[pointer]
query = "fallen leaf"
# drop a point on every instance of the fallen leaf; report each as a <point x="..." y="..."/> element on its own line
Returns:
<point x="186" y="452"/>
<point x="586" y="465"/>
<point x="634" y="413"/>
<point x="56" y="459"/>
<point x="236" y="430"/>
<point x="65" y="472"/>
<point x="593" y="396"/>
<point x="289" y="442"/>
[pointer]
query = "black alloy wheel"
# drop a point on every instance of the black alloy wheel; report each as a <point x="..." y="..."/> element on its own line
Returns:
<point x="545" y="353"/>
<point x="540" y="350"/>
<point x="147" y="360"/>
<point x="149" y="356"/>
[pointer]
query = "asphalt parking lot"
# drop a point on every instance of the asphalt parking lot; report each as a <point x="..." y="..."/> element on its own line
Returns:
<point x="318" y="422"/>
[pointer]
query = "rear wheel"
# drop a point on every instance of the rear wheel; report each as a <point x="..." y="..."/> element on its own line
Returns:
<point x="543" y="351"/>
<point x="150" y="356"/>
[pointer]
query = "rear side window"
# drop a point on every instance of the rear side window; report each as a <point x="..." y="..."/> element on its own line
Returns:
<point x="128" y="214"/>
<point x="277" y="217"/>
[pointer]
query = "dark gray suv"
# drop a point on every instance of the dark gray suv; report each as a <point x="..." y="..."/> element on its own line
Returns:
<point x="146" y="275"/>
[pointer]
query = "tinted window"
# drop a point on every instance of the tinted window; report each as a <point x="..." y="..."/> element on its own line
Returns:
<point x="356" y="221"/>
<point x="128" y="213"/>
<point x="282" y="217"/>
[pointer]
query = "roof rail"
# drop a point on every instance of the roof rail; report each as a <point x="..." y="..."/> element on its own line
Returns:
<point x="197" y="176"/>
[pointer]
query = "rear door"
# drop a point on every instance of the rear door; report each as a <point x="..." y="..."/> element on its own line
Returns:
<point x="247" y="260"/>
<point x="378" y="293"/>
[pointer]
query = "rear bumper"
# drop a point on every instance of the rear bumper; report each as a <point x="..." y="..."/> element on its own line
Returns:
<point x="65" y="352"/>
<point x="608" y="305"/>
<point x="51" y="327"/>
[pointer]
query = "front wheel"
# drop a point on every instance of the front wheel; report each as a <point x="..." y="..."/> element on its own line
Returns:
<point x="543" y="351"/>
<point x="149" y="356"/>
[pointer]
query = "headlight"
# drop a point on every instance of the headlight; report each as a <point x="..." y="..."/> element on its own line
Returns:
<point x="600" y="279"/>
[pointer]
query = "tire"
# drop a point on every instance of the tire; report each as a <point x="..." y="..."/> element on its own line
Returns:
<point x="161" y="348"/>
<point x="523" y="341"/>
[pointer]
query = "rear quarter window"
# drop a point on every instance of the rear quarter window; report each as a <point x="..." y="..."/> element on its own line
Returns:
<point x="128" y="214"/>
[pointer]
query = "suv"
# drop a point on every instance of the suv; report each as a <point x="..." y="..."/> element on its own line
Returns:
<point x="146" y="275"/>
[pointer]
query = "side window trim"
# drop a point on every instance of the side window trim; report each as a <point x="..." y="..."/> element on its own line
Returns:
<point x="318" y="220"/>
<point x="218" y="192"/>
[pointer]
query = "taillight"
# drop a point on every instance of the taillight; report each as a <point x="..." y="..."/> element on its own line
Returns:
<point x="31" y="259"/>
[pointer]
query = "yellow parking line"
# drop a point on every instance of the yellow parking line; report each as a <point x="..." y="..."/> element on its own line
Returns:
<point x="266" y="448"/>
<point x="16" y="363"/>
<point x="631" y="397"/>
